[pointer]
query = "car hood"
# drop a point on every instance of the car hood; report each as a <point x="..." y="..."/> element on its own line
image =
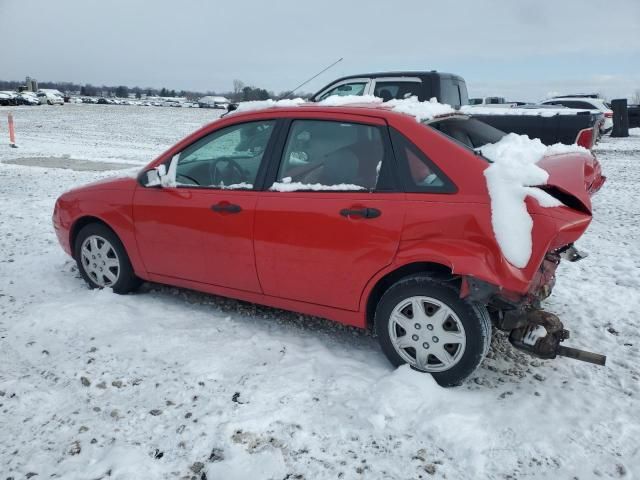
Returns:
<point x="118" y="183"/>
<point x="573" y="178"/>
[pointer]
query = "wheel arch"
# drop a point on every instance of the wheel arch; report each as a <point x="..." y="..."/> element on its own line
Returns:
<point x="82" y="222"/>
<point x="431" y="269"/>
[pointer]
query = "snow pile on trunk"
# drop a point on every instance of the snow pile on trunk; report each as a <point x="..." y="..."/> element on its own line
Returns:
<point x="263" y="104"/>
<point x="420" y="110"/>
<point x="340" y="100"/>
<point x="511" y="178"/>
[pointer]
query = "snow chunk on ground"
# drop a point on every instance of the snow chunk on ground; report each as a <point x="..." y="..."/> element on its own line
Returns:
<point x="420" y="110"/>
<point x="512" y="177"/>
<point x="263" y="104"/>
<point x="339" y="100"/>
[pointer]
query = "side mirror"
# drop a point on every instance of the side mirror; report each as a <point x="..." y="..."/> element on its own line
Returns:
<point x="153" y="177"/>
<point x="231" y="107"/>
<point x="160" y="177"/>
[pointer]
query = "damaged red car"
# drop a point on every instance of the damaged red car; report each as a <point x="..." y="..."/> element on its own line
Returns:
<point x="359" y="214"/>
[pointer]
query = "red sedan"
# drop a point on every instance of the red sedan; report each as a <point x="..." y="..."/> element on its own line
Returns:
<point x="358" y="214"/>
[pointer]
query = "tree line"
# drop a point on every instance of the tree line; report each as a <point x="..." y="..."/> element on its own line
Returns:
<point x="240" y="93"/>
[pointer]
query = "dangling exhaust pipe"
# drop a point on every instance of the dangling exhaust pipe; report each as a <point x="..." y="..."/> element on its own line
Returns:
<point x="539" y="333"/>
<point x="582" y="355"/>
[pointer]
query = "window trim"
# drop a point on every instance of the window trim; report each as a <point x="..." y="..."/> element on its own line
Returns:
<point x="264" y="162"/>
<point x="365" y="80"/>
<point x="388" y="170"/>
<point x="404" y="172"/>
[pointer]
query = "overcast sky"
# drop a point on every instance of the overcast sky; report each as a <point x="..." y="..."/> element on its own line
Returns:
<point x="523" y="49"/>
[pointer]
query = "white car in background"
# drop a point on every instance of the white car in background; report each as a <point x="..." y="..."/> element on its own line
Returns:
<point x="585" y="102"/>
<point x="213" y="101"/>
<point x="50" y="97"/>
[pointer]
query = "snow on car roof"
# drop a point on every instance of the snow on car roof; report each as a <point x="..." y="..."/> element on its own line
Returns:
<point x="421" y="111"/>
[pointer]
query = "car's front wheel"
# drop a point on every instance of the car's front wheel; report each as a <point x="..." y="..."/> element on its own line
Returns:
<point x="103" y="261"/>
<point x="425" y="323"/>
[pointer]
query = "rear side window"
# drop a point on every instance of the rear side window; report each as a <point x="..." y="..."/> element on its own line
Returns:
<point x="397" y="89"/>
<point x="331" y="155"/>
<point x="470" y="132"/>
<point x="449" y="92"/>
<point x="418" y="173"/>
<point x="356" y="88"/>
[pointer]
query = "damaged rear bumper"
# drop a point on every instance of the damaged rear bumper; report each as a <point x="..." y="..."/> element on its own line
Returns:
<point x="532" y="329"/>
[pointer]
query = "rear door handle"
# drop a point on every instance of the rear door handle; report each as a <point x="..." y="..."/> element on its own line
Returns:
<point x="224" y="207"/>
<point x="361" y="212"/>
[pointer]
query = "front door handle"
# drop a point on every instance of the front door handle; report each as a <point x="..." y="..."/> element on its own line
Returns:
<point x="361" y="212"/>
<point x="224" y="207"/>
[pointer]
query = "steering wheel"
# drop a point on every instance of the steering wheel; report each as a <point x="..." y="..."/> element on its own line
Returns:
<point x="240" y="174"/>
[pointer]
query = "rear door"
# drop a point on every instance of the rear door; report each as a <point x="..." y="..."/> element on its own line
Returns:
<point x="202" y="229"/>
<point x="332" y="217"/>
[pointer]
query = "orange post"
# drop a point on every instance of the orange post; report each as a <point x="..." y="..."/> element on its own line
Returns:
<point x="12" y="131"/>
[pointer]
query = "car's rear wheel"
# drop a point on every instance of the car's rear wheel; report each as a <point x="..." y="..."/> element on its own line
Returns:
<point x="102" y="260"/>
<point x="425" y="323"/>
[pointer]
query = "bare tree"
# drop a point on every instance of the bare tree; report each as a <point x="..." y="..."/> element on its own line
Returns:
<point x="636" y="97"/>
<point x="238" y="85"/>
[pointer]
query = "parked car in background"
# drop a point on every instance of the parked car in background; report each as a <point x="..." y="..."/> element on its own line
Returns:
<point x="28" y="98"/>
<point x="213" y="101"/>
<point x="48" y="97"/>
<point x="549" y="126"/>
<point x="585" y="102"/>
<point x="8" y="98"/>
<point x="358" y="214"/>
<point x="493" y="101"/>
<point x="446" y="87"/>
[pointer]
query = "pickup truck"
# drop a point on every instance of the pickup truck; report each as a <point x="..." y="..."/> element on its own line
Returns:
<point x="549" y="125"/>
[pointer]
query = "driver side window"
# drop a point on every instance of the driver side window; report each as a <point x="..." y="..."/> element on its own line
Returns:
<point x="228" y="158"/>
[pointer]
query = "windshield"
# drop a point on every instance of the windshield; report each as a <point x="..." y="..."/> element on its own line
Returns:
<point x="470" y="132"/>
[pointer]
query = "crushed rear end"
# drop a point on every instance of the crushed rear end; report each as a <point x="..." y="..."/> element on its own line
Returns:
<point x="573" y="179"/>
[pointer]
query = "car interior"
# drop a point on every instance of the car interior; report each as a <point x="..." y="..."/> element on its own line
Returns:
<point x="332" y="153"/>
<point x="225" y="158"/>
<point x="468" y="131"/>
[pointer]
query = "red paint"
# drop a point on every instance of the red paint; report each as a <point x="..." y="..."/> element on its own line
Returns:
<point x="294" y="250"/>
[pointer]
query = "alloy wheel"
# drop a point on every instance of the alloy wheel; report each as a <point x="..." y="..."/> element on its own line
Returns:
<point x="427" y="334"/>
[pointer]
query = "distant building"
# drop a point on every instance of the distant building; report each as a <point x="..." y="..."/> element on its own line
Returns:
<point x="31" y="84"/>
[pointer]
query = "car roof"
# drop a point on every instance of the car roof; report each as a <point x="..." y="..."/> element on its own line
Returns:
<point x="404" y="73"/>
<point x="580" y="99"/>
<point x="379" y="110"/>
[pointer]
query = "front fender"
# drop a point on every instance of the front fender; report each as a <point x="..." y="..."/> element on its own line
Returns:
<point x="112" y="207"/>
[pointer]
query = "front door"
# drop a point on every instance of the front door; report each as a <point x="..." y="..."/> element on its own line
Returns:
<point x="331" y="220"/>
<point x="201" y="229"/>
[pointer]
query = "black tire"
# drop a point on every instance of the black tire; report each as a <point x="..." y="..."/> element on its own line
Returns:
<point x="126" y="281"/>
<point x="473" y="317"/>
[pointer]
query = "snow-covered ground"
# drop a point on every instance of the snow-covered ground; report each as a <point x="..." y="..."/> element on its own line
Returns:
<point x="169" y="383"/>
